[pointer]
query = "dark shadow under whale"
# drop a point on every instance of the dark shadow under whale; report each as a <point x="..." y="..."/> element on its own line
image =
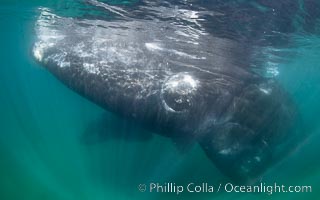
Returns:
<point x="176" y="77"/>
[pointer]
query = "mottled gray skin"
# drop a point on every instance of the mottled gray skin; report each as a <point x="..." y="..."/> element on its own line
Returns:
<point x="178" y="81"/>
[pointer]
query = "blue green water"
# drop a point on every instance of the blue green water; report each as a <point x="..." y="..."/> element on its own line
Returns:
<point x="42" y="121"/>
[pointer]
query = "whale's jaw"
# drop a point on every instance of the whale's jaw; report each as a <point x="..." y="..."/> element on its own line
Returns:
<point x="261" y="132"/>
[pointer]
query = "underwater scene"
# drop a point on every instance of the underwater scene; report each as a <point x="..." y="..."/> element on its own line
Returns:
<point x="150" y="99"/>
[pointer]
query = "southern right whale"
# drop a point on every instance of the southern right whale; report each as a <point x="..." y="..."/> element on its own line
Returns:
<point x="161" y="66"/>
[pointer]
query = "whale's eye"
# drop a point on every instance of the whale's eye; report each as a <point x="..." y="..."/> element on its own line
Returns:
<point x="178" y="92"/>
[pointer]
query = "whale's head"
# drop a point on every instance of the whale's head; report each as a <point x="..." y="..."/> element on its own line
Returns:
<point x="257" y="129"/>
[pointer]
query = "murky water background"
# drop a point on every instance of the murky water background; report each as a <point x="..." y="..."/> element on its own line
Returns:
<point x="43" y="156"/>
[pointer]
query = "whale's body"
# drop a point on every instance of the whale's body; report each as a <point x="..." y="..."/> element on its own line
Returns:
<point x="177" y="79"/>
